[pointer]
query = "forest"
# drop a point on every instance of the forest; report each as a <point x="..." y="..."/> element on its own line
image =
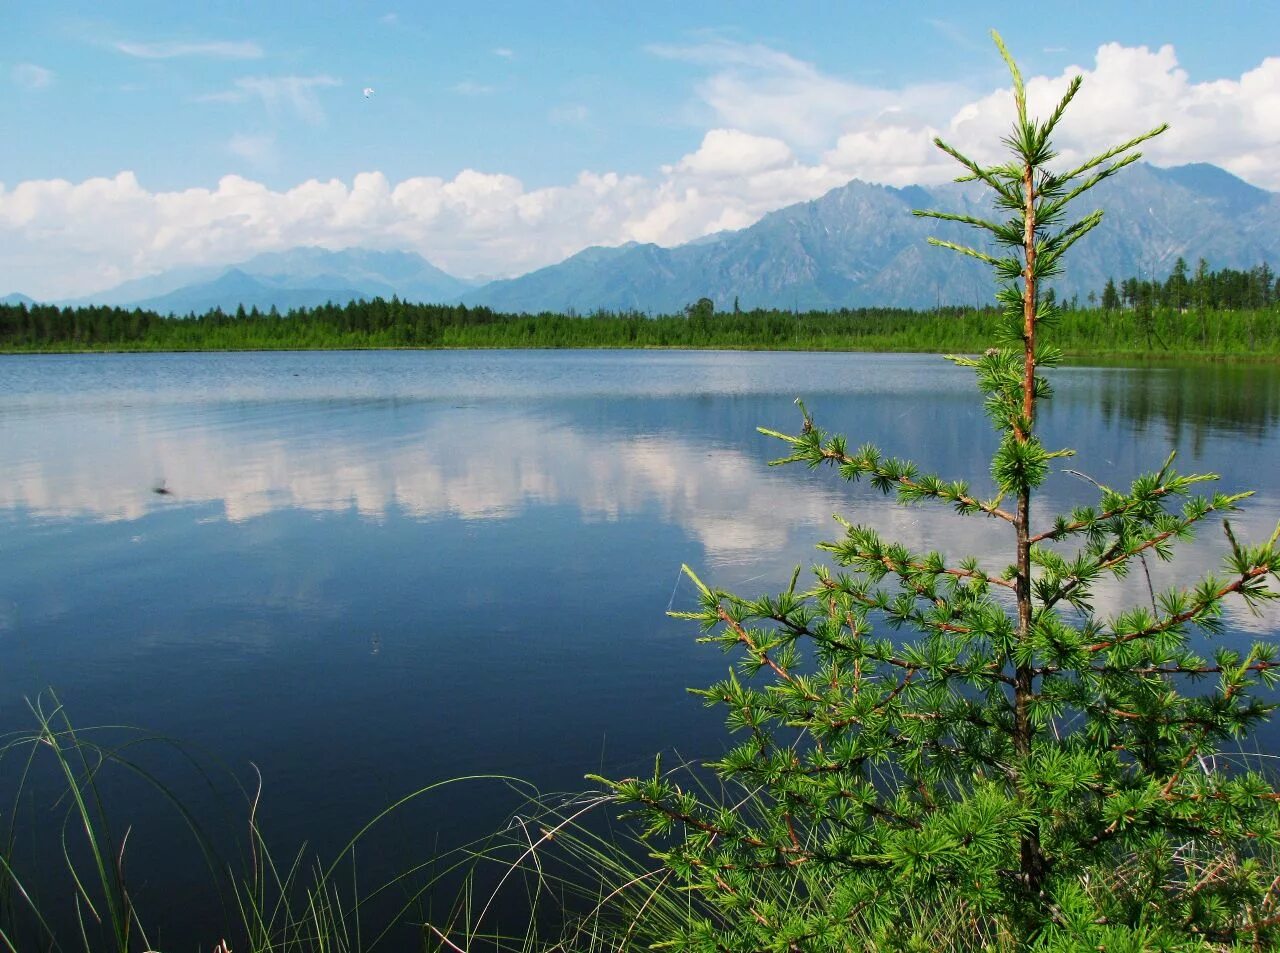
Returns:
<point x="1224" y="312"/>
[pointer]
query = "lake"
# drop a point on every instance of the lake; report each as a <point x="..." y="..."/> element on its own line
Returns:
<point x="370" y="571"/>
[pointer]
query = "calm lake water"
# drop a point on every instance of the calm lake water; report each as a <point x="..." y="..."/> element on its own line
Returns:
<point x="372" y="571"/>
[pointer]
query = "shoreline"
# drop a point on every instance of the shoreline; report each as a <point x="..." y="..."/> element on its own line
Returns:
<point x="1070" y="358"/>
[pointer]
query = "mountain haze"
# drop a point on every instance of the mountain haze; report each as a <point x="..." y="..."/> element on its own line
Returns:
<point x="236" y="288"/>
<point x="856" y="246"/>
<point x="297" y="278"/>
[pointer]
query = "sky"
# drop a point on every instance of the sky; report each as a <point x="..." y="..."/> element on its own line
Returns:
<point x="502" y="137"/>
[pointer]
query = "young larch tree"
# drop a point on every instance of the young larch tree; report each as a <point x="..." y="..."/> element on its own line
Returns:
<point x="1042" y="768"/>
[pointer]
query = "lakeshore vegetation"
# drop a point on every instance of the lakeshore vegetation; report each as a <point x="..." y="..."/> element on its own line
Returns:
<point x="1192" y="312"/>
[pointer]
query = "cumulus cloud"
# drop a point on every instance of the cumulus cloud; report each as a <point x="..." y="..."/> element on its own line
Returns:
<point x="733" y="152"/>
<point x="892" y="154"/>
<point x="59" y="239"/>
<point x="62" y="238"/>
<point x="31" y="76"/>
<point x="885" y="135"/>
<point x="295" y="94"/>
<point x="219" y="49"/>
<point x="1233" y="123"/>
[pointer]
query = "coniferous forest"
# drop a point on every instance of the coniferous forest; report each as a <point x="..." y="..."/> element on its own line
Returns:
<point x="1200" y="311"/>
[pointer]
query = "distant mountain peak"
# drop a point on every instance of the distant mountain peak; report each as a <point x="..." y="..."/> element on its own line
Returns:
<point x="1218" y="185"/>
<point x="859" y="246"/>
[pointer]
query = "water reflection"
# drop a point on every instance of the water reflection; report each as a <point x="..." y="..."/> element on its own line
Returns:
<point x="1195" y="400"/>
<point x="417" y="461"/>
<point x="688" y="461"/>
<point x="377" y="570"/>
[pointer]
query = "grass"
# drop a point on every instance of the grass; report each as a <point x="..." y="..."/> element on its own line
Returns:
<point x="64" y="884"/>
<point x="558" y="877"/>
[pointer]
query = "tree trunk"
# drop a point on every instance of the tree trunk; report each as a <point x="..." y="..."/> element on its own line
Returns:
<point x="1032" y="860"/>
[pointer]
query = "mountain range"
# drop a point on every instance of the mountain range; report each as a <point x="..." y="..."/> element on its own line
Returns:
<point x="858" y="245"/>
<point x="298" y="278"/>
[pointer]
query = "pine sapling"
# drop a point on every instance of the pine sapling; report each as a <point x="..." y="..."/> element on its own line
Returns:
<point x="1041" y="769"/>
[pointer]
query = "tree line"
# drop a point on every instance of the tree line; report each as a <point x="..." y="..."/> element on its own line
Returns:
<point x="1203" y="289"/>
<point x="1205" y="311"/>
<point x="396" y="323"/>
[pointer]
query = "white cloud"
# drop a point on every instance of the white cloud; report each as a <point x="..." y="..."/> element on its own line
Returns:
<point x="219" y="49"/>
<point x="764" y="91"/>
<point x="894" y="155"/>
<point x="885" y="135"/>
<point x="59" y="239"/>
<point x="31" y="76"/>
<point x="732" y="152"/>
<point x="1233" y="123"/>
<point x="504" y="52"/>
<point x="297" y="94"/>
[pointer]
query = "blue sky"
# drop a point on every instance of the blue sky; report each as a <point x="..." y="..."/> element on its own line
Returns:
<point x="504" y="136"/>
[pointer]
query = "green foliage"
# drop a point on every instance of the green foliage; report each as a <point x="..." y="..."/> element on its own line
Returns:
<point x="1153" y="329"/>
<point x="1228" y="316"/>
<point x="1206" y="289"/>
<point x="701" y="310"/>
<point x="379" y="323"/>
<point x="919" y="732"/>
